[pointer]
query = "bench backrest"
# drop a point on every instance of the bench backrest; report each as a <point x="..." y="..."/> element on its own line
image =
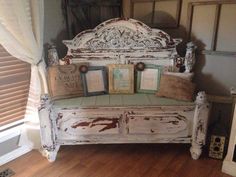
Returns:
<point x="123" y="41"/>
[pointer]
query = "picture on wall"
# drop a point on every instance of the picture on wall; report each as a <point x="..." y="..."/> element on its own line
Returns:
<point x="121" y="78"/>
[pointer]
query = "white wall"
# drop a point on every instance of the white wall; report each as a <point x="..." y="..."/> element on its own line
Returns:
<point x="214" y="74"/>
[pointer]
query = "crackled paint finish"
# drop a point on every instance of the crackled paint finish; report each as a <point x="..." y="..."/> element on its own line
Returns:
<point x="200" y="122"/>
<point x="123" y="41"/>
<point x="155" y="124"/>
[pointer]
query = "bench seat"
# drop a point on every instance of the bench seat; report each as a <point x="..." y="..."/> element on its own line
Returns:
<point x="122" y="100"/>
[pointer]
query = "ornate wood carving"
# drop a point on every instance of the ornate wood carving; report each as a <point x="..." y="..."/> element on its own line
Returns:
<point x="122" y="39"/>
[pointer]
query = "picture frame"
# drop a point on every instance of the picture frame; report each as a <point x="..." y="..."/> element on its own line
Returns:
<point x="94" y="81"/>
<point x="121" y="78"/>
<point x="148" y="80"/>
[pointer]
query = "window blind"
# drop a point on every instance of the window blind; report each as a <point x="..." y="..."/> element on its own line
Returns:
<point x="14" y="87"/>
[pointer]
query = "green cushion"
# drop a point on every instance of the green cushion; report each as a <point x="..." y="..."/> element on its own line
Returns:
<point x="120" y="100"/>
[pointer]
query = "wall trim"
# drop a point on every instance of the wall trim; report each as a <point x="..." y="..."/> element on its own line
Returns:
<point x="14" y="154"/>
<point x="11" y="125"/>
<point x="10" y="133"/>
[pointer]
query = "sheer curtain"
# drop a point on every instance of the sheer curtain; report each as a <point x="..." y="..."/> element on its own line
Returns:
<point x="21" y="34"/>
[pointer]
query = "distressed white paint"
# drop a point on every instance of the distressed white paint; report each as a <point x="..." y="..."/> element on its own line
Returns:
<point x="200" y="121"/>
<point x="47" y="129"/>
<point x="154" y="124"/>
<point x="123" y="41"/>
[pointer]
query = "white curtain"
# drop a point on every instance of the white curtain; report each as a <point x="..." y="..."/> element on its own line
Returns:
<point x="21" y="34"/>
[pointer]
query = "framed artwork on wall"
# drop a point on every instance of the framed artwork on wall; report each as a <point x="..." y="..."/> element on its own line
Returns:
<point x="94" y="80"/>
<point x="148" y="80"/>
<point x="121" y="78"/>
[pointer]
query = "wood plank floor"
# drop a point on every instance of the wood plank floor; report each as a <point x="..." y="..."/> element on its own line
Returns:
<point x="136" y="160"/>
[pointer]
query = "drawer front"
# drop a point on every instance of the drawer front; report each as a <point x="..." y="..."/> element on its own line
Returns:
<point x="71" y="124"/>
<point x="162" y="122"/>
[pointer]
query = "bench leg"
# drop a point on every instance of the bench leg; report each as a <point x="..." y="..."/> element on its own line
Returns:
<point x="200" y="121"/>
<point x="196" y="151"/>
<point x="51" y="154"/>
<point x="47" y="129"/>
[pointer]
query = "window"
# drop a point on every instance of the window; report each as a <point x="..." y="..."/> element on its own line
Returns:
<point x="14" y="87"/>
<point x="157" y="13"/>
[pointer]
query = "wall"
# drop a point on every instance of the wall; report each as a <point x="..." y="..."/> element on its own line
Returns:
<point x="214" y="74"/>
<point x="54" y="26"/>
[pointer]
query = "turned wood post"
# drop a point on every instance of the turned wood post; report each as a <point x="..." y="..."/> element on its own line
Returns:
<point x="190" y="58"/>
<point x="46" y="129"/>
<point x="200" y="122"/>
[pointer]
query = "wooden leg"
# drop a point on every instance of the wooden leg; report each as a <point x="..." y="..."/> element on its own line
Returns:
<point x="47" y="127"/>
<point x="51" y="155"/>
<point x="196" y="151"/>
<point x="200" y="121"/>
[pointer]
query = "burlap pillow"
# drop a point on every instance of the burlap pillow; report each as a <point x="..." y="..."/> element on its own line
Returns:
<point x="176" y="88"/>
<point x="64" y="81"/>
<point x="186" y="76"/>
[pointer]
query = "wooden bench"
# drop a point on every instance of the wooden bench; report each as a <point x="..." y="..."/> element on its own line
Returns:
<point x="137" y="118"/>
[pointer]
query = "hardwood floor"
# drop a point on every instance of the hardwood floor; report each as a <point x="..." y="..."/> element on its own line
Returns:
<point x="136" y="160"/>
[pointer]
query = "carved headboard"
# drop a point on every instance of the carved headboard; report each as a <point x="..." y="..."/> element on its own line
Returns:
<point x="122" y="41"/>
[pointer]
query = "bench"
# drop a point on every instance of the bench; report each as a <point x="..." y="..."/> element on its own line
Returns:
<point x="124" y="118"/>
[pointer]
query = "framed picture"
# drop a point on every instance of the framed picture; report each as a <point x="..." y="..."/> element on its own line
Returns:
<point x="148" y="80"/>
<point x="121" y="78"/>
<point x="94" y="81"/>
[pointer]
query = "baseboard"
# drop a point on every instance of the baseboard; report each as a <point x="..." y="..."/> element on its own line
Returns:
<point x="14" y="154"/>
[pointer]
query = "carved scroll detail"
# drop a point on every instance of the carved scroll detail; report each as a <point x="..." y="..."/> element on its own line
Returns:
<point x="120" y="34"/>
